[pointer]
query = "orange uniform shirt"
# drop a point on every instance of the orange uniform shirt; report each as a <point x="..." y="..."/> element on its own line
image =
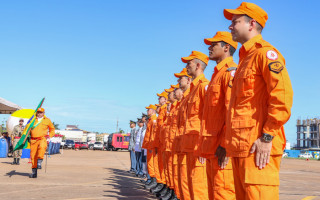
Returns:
<point x="181" y="121"/>
<point x="42" y="129"/>
<point x="168" y="126"/>
<point x="194" y="108"/>
<point x="216" y="102"/>
<point x="147" y="141"/>
<point x="174" y="126"/>
<point x="161" y="117"/>
<point x="261" y="99"/>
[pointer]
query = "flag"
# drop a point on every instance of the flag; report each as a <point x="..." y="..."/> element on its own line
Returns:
<point x="23" y="142"/>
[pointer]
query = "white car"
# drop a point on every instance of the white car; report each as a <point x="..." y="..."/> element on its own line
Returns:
<point x="285" y="155"/>
<point x="98" y="145"/>
<point x="305" y="155"/>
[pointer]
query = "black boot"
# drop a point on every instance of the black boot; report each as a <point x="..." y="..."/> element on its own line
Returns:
<point x="168" y="195"/>
<point x="14" y="161"/>
<point x="157" y="189"/>
<point x="152" y="184"/>
<point x="34" y="173"/>
<point x="39" y="163"/>
<point x="163" y="192"/>
<point x="18" y="161"/>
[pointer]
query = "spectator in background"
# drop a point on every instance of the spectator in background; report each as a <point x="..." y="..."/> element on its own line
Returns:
<point x="16" y="135"/>
<point x="138" y="150"/>
<point x="132" y="142"/>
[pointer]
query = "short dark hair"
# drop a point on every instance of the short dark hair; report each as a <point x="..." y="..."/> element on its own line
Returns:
<point x="259" y="27"/>
<point x="231" y="48"/>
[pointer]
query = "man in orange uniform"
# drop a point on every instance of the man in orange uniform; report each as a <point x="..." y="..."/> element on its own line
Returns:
<point x="216" y="102"/>
<point x="181" y="93"/>
<point x="260" y="104"/>
<point x="158" y="156"/>
<point x="196" y="171"/>
<point x="167" y="158"/>
<point x="147" y="144"/>
<point x="38" y="142"/>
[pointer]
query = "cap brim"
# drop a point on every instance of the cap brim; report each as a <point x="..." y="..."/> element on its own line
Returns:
<point x="187" y="59"/>
<point x="209" y="41"/>
<point x="228" y="13"/>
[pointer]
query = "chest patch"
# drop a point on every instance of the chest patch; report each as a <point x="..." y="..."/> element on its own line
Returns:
<point x="276" y="67"/>
<point x="272" y="55"/>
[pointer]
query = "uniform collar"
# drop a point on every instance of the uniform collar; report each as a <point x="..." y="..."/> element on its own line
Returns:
<point x="249" y="44"/>
<point x="186" y="93"/>
<point x="197" y="79"/>
<point x="224" y="62"/>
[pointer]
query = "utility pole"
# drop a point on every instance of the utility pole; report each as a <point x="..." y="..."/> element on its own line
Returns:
<point x="117" y="125"/>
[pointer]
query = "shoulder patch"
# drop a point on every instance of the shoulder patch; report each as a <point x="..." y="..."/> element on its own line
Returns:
<point x="206" y="88"/>
<point x="272" y="55"/>
<point x="276" y="67"/>
<point x="232" y="73"/>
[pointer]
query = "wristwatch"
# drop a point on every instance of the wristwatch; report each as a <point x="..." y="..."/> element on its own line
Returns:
<point x="267" y="137"/>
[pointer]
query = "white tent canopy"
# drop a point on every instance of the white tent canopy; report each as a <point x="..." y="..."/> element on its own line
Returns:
<point x="7" y="107"/>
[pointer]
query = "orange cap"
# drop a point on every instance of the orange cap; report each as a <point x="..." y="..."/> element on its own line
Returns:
<point x="196" y="55"/>
<point x="169" y="90"/>
<point x="163" y="94"/>
<point x="175" y="86"/>
<point x="182" y="73"/>
<point x="40" y="110"/>
<point x="250" y="9"/>
<point x="151" y="107"/>
<point x="222" y="36"/>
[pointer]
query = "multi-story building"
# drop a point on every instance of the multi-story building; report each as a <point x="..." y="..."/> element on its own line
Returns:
<point x="308" y="133"/>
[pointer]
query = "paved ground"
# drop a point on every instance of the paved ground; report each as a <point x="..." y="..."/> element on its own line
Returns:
<point x="86" y="175"/>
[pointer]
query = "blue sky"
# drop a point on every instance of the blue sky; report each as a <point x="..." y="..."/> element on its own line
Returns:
<point x="96" y="61"/>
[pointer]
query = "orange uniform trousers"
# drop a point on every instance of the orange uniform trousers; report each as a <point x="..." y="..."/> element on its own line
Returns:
<point x="38" y="148"/>
<point x="183" y="182"/>
<point x="176" y="175"/>
<point x="197" y="177"/>
<point x="220" y="181"/>
<point x="150" y="163"/>
<point x="169" y="170"/>
<point x="158" y="166"/>
<point x="252" y="183"/>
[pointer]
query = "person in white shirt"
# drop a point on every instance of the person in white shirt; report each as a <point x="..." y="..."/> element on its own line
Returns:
<point x="138" y="149"/>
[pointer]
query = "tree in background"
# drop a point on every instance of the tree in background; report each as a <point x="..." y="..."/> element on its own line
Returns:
<point x="121" y="131"/>
<point x="56" y="126"/>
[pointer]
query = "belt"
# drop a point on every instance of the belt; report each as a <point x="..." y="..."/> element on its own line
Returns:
<point x="37" y="138"/>
<point x="17" y="137"/>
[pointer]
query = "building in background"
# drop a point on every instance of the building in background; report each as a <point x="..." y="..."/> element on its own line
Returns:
<point x="308" y="134"/>
<point x="72" y="132"/>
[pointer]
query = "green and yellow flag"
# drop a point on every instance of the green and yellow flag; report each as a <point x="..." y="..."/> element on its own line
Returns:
<point x="23" y="142"/>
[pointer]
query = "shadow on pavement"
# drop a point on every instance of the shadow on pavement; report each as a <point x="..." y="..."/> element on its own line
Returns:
<point x="13" y="173"/>
<point x="127" y="186"/>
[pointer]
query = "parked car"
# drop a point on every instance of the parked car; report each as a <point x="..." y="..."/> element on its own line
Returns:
<point x="77" y="145"/>
<point x="84" y="145"/>
<point x="69" y="144"/>
<point x="63" y="142"/>
<point x="90" y="146"/>
<point x="285" y="155"/>
<point x="98" y="146"/>
<point x="305" y="155"/>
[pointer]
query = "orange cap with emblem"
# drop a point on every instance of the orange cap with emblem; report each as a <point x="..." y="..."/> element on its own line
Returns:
<point x="40" y="110"/>
<point x="196" y="55"/>
<point x="163" y="94"/>
<point x="250" y="9"/>
<point x="182" y="73"/>
<point x="222" y="36"/>
<point x="151" y="107"/>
